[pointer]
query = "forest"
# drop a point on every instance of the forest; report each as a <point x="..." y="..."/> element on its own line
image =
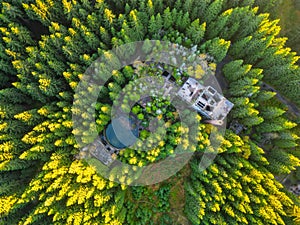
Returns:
<point x="46" y="48"/>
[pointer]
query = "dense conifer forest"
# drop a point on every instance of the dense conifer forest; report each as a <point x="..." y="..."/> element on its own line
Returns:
<point x="45" y="48"/>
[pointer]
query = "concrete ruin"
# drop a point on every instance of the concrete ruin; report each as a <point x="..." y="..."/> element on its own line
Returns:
<point x="205" y="100"/>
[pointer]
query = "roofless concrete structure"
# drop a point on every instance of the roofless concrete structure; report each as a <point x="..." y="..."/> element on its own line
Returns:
<point x="213" y="106"/>
<point x="205" y="100"/>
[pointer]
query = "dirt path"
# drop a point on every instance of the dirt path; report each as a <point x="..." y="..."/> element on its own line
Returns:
<point x="291" y="106"/>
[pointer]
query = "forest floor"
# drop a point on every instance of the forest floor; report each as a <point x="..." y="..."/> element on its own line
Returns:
<point x="288" y="11"/>
<point x="177" y="197"/>
<point x="292" y="108"/>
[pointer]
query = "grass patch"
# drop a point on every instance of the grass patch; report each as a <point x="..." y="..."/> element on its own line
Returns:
<point x="177" y="197"/>
<point x="288" y="11"/>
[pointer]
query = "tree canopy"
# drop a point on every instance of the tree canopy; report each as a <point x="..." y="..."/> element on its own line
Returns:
<point x="46" y="47"/>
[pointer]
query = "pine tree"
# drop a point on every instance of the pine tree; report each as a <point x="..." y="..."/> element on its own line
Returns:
<point x="216" y="27"/>
<point x="196" y="31"/>
<point x="213" y="10"/>
<point x="167" y="18"/>
<point x="217" y="48"/>
<point x="233" y="195"/>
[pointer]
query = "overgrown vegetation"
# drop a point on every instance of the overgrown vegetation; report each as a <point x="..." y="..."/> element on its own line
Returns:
<point x="41" y="180"/>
